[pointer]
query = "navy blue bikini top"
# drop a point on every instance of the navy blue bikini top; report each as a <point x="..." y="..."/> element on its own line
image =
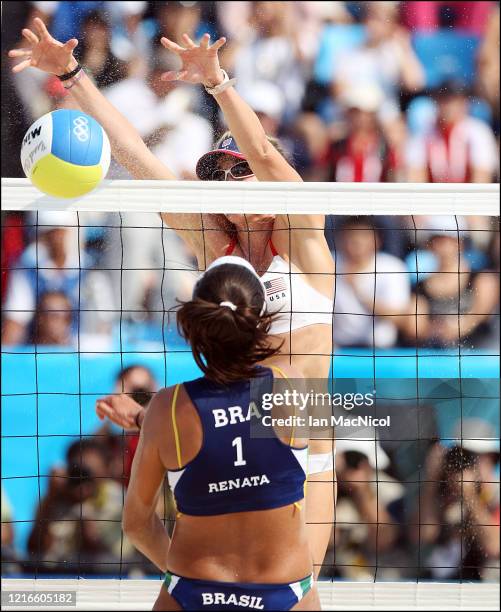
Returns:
<point x="235" y="471"/>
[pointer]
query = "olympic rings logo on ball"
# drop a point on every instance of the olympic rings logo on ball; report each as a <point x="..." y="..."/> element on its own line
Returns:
<point x="81" y="128"/>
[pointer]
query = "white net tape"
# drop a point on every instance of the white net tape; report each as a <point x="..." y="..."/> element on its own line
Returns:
<point x="275" y="198"/>
<point x="141" y="594"/>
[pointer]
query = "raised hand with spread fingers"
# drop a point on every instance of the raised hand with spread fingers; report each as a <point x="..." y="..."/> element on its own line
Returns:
<point x="44" y="52"/>
<point x="200" y="63"/>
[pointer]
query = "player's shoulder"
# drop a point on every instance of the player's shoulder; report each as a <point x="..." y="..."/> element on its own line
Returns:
<point x="281" y="367"/>
<point x="168" y="409"/>
<point x="169" y="400"/>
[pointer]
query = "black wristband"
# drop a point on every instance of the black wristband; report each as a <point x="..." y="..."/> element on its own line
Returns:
<point x="70" y="75"/>
<point x="136" y="420"/>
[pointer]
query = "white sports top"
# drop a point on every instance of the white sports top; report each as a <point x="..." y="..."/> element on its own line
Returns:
<point x="287" y="293"/>
<point x="298" y="303"/>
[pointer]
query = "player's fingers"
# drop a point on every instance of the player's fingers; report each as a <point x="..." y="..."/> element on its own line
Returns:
<point x="189" y="43"/>
<point x="173" y="75"/>
<point x="204" y="42"/>
<point x="19" y="52"/>
<point x="102" y="408"/>
<point x="171" y="45"/>
<point x="100" y="413"/>
<point x="128" y="423"/>
<point x="43" y="32"/>
<point x="71" y="44"/>
<point x="218" y="44"/>
<point x="30" y="36"/>
<point x="22" y="65"/>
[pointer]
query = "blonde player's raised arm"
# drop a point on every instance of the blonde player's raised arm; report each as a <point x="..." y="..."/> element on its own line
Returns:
<point x="49" y="55"/>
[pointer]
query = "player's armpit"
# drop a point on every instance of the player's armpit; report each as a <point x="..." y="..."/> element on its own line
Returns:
<point x="206" y="235"/>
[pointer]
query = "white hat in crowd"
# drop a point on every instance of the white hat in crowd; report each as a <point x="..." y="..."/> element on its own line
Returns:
<point x="476" y="435"/>
<point x="367" y="97"/>
<point x="367" y="446"/>
<point x="443" y="225"/>
<point x="52" y="219"/>
<point x="265" y="97"/>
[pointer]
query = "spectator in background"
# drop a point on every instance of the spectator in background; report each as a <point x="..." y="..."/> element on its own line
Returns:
<point x="386" y="60"/>
<point x="131" y="31"/>
<point x="271" y="53"/>
<point x="95" y="54"/>
<point x="363" y="155"/>
<point x="452" y="303"/>
<point x="468" y="17"/>
<point x="79" y="519"/>
<point x="267" y="101"/>
<point x="155" y="262"/>
<point x="308" y="139"/>
<point x="488" y="66"/>
<point x="162" y="112"/>
<point x="459" y="149"/>
<point x="176" y="18"/>
<point x="234" y="18"/>
<point x="55" y="263"/>
<point x="459" y="532"/>
<point x="369" y="282"/>
<point x="12" y="245"/>
<point x="494" y="260"/>
<point x="52" y="324"/>
<point x="66" y="18"/>
<point x="138" y="383"/>
<point x="365" y="526"/>
<point x="8" y="555"/>
<point x="135" y="385"/>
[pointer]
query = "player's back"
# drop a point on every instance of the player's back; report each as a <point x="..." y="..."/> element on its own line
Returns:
<point x="239" y="498"/>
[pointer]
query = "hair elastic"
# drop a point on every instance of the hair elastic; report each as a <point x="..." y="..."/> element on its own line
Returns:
<point x="230" y="305"/>
<point x="238" y="261"/>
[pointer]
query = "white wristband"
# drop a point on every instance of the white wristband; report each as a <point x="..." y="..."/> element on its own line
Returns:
<point x="227" y="82"/>
<point x="321" y="462"/>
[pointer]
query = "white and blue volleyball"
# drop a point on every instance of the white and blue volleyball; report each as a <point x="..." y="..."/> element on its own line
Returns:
<point x="65" y="153"/>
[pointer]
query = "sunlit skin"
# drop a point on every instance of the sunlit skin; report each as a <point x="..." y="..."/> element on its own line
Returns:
<point x="308" y="349"/>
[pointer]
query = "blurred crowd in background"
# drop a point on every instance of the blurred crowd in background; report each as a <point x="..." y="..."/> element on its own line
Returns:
<point x="411" y="505"/>
<point x="356" y="92"/>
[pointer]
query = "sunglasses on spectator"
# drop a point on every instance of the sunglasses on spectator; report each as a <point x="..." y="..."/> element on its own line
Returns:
<point x="238" y="172"/>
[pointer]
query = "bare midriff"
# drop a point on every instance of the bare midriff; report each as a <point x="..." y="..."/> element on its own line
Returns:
<point x="309" y="350"/>
<point x="267" y="546"/>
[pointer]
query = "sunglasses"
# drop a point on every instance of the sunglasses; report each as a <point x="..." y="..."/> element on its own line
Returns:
<point x="238" y="172"/>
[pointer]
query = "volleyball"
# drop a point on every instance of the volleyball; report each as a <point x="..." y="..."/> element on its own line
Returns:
<point x="65" y="153"/>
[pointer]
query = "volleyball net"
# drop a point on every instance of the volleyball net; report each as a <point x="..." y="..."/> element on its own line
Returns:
<point x="88" y="287"/>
